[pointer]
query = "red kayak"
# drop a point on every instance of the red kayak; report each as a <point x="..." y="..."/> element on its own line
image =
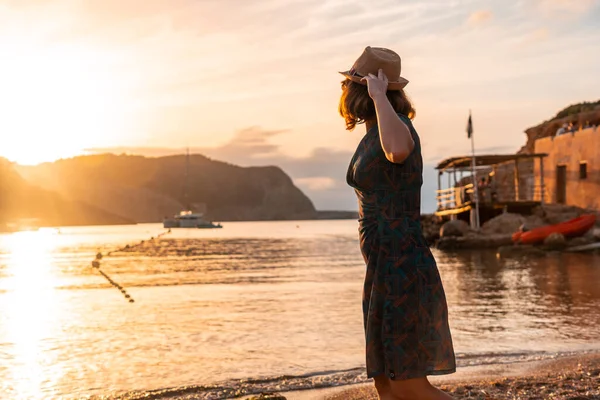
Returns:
<point x="573" y="228"/>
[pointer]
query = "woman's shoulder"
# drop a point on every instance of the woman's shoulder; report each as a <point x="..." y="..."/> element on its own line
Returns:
<point x="408" y="123"/>
<point x="405" y="119"/>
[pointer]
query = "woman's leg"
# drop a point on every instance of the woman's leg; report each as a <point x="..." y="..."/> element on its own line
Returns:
<point x="382" y="385"/>
<point x="416" y="389"/>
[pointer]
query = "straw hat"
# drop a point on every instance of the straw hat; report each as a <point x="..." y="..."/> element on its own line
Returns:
<point x="371" y="60"/>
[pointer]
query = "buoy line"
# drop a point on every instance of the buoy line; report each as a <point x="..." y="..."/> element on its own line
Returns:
<point x="100" y="256"/>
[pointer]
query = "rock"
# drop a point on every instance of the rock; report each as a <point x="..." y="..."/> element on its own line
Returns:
<point x="454" y="228"/>
<point x="268" y="396"/>
<point x="506" y="223"/>
<point x="473" y="241"/>
<point x="580" y="241"/>
<point x="497" y="240"/>
<point x="472" y="234"/>
<point x="431" y="227"/>
<point x="553" y="219"/>
<point x="557" y="213"/>
<point x="532" y="222"/>
<point x="539" y="212"/>
<point x="556" y="241"/>
<point x="449" y="243"/>
<point x="519" y="251"/>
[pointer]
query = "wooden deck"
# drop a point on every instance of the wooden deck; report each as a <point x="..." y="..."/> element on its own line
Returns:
<point x="500" y="183"/>
<point x="488" y="211"/>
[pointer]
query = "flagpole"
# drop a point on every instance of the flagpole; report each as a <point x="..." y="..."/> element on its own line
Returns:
<point x="473" y="163"/>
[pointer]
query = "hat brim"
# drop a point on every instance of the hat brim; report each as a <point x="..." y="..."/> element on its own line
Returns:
<point x="396" y="85"/>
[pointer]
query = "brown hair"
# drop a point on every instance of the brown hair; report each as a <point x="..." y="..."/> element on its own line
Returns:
<point x="356" y="106"/>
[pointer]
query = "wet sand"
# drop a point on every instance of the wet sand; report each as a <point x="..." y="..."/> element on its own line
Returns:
<point x="571" y="378"/>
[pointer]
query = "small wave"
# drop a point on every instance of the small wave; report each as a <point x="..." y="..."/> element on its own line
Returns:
<point x="496" y="358"/>
<point x="245" y="387"/>
<point x="317" y="380"/>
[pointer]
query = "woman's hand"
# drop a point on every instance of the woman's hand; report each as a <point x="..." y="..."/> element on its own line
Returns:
<point x="377" y="85"/>
<point x="396" y="139"/>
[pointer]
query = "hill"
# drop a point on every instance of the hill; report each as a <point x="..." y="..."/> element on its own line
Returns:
<point x="21" y="200"/>
<point x="147" y="189"/>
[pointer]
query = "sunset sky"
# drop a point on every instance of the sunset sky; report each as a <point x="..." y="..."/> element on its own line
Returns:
<point x="256" y="83"/>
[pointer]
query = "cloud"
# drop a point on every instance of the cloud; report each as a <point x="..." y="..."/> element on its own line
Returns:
<point x="480" y="17"/>
<point x="566" y="6"/>
<point x="317" y="183"/>
<point x="250" y="142"/>
<point x="246" y="146"/>
<point x="538" y="35"/>
<point x="496" y="150"/>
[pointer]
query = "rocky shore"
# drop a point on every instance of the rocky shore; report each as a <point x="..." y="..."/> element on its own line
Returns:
<point x="497" y="232"/>
<point x="568" y="378"/>
<point x="573" y="379"/>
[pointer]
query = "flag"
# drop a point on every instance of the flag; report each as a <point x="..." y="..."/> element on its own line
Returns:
<point x="470" y="127"/>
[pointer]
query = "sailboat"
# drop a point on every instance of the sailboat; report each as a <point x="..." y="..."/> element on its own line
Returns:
<point x="186" y="218"/>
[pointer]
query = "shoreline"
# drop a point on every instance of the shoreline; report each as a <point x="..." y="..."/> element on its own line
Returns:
<point x="568" y="376"/>
<point x="572" y="377"/>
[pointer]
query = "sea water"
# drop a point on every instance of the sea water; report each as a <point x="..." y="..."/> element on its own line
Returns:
<point x="251" y="307"/>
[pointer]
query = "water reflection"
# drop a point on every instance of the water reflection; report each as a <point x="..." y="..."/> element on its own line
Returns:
<point x="527" y="303"/>
<point x="29" y="317"/>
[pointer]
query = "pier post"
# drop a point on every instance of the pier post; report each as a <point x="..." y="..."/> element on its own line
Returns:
<point x="517" y="197"/>
<point x="542" y="187"/>
<point x="438" y="193"/>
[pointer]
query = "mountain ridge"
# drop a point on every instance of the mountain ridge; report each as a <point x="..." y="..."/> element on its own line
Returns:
<point x="147" y="189"/>
<point x="22" y="200"/>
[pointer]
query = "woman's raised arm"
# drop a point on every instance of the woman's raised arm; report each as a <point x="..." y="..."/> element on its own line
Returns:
<point x="396" y="140"/>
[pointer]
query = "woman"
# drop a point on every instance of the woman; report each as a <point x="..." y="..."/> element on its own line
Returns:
<point x="404" y="305"/>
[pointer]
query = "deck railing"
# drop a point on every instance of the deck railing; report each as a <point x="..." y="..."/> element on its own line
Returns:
<point x="541" y="194"/>
<point x="454" y="197"/>
<point x="461" y="196"/>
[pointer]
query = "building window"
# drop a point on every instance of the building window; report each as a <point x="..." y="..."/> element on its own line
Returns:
<point x="583" y="170"/>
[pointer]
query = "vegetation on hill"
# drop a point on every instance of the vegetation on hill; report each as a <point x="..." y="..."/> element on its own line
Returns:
<point x="579" y="114"/>
<point x="575" y="109"/>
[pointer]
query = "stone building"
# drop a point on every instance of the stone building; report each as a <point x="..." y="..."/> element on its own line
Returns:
<point x="571" y="171"/>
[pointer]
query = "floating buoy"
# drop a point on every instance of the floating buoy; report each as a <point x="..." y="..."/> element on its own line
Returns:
<point x="99" y="256"/>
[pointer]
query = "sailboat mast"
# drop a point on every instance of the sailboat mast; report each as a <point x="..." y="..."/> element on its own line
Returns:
<point x="185" y="183"/>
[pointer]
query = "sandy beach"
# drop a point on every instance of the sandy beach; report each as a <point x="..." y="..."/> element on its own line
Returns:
<point x="569" y="378"/>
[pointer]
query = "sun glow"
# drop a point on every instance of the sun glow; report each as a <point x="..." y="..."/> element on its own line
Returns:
<point x="30" y="319"/>
<point x="55" y="101"/>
